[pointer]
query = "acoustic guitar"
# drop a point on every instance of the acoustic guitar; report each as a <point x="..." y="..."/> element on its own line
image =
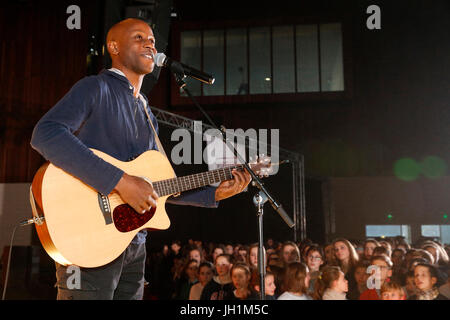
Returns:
<point x="80" y="226"/>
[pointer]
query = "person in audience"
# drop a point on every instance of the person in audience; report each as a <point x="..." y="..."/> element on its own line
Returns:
<point x="205" y="274"/>
<point x="290" y="252"/>
<point x="242" y="254"/>
<point x="278" y="273"/>
<point x="296" y="282"/>
<point x="401" y="243"/>
<point x="274" y="259"/>
<point x="188" y="279"/>
<point x="303" y="247"/>
<point x="369" y="246"/>
<point x="360" y="275"/>
<point x="330" y="258"/>
<point x="398" y="269"/>
<point x="331" y="284"/>
<point x="378" y="251"/>
<point x="380" y="274"/>
<point x="409" y="284"/>
<point x="346" y="259"/>
<point x="220" y="284"/>
<point x="270" y="244"/>
<point x="359" y="247"/>
<point x="216" y="251"/>
<point x="314" y="260"/>
<point x="345" y="254"/>
<point x="236" y="251"/>
<point x="253" y="256"/>
<point x="269" y="284"/>
<point x="196" y="253"/>
<point x="397" y="257"/>
<point x="242" y="289"/>
<point x="386" y="244"/>
<point x="229" y="249"/>
<point x="427" y="282"/>
<point x="392" y="290"/>
<point x="439" y="255"/>
<point x="424" y="254"/>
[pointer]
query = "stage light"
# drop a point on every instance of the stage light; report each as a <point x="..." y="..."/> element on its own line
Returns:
<point x="407" y="169"/>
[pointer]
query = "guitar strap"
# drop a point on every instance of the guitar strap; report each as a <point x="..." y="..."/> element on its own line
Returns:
<point x="158" y="142"/>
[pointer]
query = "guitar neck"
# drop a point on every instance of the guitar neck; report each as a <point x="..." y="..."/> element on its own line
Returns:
<point x="194" y="181"/>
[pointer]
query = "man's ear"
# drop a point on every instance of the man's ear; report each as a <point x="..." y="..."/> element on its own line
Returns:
<point x="113" y="48"/>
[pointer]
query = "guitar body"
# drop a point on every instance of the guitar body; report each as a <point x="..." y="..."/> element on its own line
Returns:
<point x="85" y="229"/>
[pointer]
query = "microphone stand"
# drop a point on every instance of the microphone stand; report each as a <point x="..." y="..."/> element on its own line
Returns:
<point x="259" y="199"/>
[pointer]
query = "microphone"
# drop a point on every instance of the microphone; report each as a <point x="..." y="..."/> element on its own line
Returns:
<point x="161" y="60"/>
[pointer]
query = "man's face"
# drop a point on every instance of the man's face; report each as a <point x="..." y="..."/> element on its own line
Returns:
<point x="136" y="46"/>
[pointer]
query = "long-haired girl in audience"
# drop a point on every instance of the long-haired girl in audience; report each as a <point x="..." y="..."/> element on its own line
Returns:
<point x="331" y="284"/>
<point x="240" y="276"/>
<point x="346" y="258"/>
<point x="290" y="252"/>
<point x="253" y="256"/>
<point x="205" y="274"/>
<point x="369" y="246"/>
<point x="360" y="275"/>
<point x="221" y="284"/>
<point x="269" y="284"/>
<point x="296" y="282"/>
<point x="345" y="254"/>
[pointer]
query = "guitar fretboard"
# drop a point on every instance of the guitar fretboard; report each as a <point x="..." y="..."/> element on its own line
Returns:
<point x="194" y="181"/>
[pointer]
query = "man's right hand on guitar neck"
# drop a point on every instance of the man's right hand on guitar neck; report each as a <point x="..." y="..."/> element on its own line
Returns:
<point x="137" y="192"/>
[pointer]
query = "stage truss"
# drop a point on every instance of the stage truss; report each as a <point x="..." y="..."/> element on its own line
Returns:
<point x="296" y="161"/>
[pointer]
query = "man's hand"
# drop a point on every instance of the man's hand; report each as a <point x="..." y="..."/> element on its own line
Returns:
<point x="229" y="188"/>
<point x="137" y="192"/>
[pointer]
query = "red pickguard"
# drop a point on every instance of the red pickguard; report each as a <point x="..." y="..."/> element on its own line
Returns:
<point x="127" y="219"/>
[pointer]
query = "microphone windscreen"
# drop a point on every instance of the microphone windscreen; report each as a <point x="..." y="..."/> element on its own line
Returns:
<point x="159" y="59"/>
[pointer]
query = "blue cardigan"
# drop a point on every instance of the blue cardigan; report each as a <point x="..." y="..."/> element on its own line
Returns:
<point x="100" y="112"/>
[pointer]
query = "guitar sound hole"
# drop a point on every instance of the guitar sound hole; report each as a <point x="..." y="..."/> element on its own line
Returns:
<point x="127" y="219"/>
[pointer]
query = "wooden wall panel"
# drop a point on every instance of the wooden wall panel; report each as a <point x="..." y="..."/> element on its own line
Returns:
<point x="40" y="59"/>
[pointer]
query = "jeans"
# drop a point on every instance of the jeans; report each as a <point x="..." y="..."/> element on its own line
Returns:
<point x="121" y="279"/>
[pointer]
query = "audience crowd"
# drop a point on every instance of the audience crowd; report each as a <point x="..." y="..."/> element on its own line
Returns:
<point x="374" y="269"/>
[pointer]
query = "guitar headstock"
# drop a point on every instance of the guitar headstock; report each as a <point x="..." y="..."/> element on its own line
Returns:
<point x="262" y="166"/>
